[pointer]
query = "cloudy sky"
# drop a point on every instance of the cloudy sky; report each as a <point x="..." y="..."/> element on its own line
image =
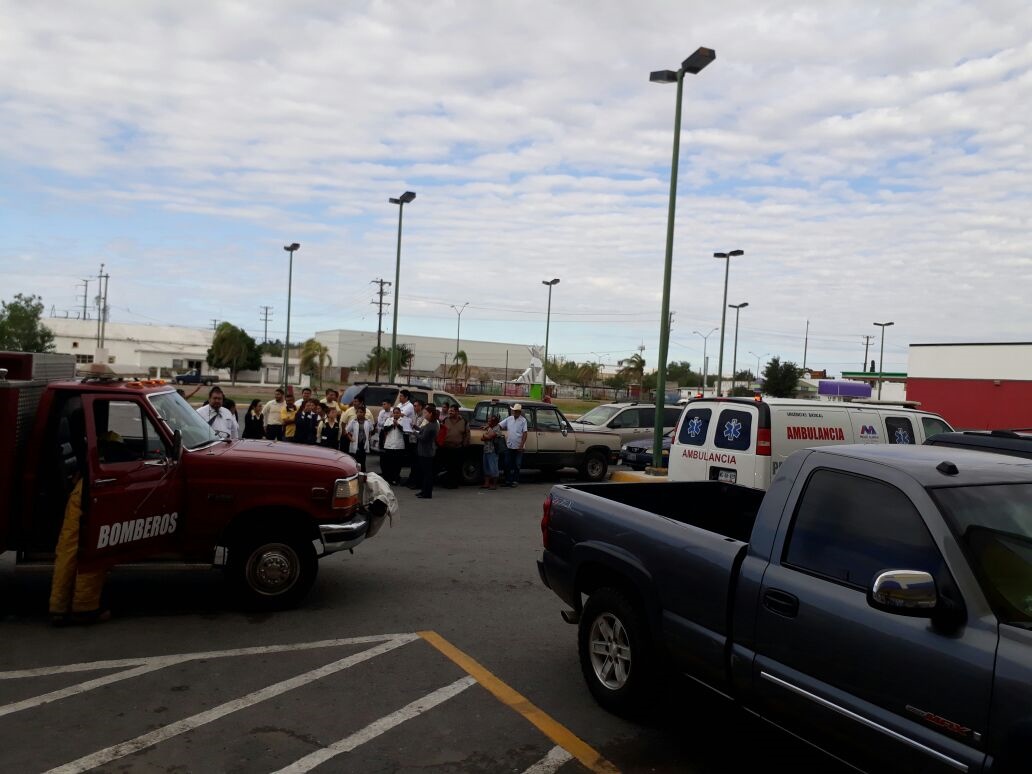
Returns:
<point x="872" y="159"/>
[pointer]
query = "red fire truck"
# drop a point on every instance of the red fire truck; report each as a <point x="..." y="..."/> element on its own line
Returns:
<point x="162" y="487"/>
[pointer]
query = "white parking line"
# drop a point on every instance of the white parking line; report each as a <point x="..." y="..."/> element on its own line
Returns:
<point x="556" y="757"/>
<point x="176" y="658"/>
<point x="377" y="727"/>
<point x="145" y="665"/>
<point x="164" y="733"/>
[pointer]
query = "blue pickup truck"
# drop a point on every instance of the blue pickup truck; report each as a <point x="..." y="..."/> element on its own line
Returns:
<point x="876" y="601"/>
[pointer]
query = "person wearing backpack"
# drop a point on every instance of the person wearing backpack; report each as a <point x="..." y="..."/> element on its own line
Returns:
<point x="426" y="447"/>
<point x="453" y="440"/>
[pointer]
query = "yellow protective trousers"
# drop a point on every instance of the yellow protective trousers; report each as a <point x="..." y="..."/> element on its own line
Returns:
<point x="71" y="590"/>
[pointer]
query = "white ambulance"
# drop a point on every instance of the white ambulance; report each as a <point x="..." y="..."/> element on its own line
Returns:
<point x="743" y="441"/>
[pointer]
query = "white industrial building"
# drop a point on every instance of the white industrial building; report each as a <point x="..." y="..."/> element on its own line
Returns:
<point x="167" y="347"/>
<point x="349" y="348"/>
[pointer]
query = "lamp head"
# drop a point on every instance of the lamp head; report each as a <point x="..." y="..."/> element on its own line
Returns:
<point x="663" y="76"/>
<point x="550" y="282"/>
<point x="292" y="247"/>
<point x="407" y="197"/>
<point x="736" y="253"/>
<point x="392" y="200"/>
<point x="720" y="255"/>
<point x="698" y="60"/>
<point x="738" y="306"/>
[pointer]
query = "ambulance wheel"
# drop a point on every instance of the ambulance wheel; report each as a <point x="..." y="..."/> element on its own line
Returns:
<point x="272" y="571"/>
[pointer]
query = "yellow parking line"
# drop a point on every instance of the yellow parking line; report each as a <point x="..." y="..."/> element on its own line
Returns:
<point x="544" y="722"/>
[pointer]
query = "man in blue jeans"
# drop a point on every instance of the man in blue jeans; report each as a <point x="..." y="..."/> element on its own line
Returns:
<point x="515" y="427"/>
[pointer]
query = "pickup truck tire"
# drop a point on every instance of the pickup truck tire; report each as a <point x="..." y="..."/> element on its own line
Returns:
<point x="471" y="472"/>
<point x="272" y="571"/>
<point x="615" y="652"/>
<point x="594" y="466"/>
<point x="207" y="382"/>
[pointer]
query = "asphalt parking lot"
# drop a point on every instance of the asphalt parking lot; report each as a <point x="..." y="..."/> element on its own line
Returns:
<point x="433" y="648"/>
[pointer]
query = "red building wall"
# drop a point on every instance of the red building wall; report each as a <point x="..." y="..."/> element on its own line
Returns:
<point x="975" y="404"/>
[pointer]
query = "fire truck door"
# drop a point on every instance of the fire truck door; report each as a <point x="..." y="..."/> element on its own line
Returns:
<point x="133" y="500"/>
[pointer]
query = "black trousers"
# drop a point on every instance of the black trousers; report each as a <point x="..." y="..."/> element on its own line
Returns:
<point x="452" y="464"/>
<point x="390" y="464"/>
<point x="425" y="466"/>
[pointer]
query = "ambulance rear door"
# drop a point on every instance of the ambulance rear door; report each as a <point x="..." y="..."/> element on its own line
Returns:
<point x="134" y="498"/>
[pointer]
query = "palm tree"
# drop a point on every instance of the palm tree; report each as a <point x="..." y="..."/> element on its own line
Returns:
<point x="378" y="359"/>
<point x="405" y="355"/>
<point x="460" y="365"/>
<point x="314" y="358"/>
<point x="633" y="368"/>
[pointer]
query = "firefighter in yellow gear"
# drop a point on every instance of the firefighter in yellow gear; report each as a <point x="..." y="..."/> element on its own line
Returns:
<point x="74" y="595"/>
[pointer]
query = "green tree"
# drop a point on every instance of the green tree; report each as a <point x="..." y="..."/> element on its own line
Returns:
<point x="233" y="348"/>
<point x="780" y="380"/>
<point x="378" y="360"/>
<point x="681" y="374"/>
<point x="20" y="326"/>
<point x="315" y="357"/>
<point x="633" y="368"/>
<point x="271" y="348"/>
<point x="459" y="366"/>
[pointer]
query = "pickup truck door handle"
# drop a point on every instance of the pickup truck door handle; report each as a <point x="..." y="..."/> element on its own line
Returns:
<point x="781" y="603"/>
<point x="97" y="481"/>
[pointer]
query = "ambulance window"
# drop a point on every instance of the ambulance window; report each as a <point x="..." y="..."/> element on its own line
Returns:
<point x="734" y="430"/>
<point x="694" y="428"/>
<point x="932" y="425"/>
<point x="899" y="430"/>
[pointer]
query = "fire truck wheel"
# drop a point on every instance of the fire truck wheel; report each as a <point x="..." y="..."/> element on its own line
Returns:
<point x="272" y="571"/>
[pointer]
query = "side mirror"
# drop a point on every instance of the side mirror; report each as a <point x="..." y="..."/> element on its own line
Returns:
<point x="564" y="430"/>
<point x="904" y="592"/>
<point x="177" y="444"/>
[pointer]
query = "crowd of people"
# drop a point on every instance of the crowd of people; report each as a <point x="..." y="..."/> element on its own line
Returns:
<point x="408" y="434"/>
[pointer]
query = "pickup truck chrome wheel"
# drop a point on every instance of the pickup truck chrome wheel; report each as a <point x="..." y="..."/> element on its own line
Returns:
<point x="610" y="651"/>
<point x="616" y="654"/>
<point x="272" y="571"/>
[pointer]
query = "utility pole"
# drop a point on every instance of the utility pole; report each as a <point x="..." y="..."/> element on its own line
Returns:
<point x="266" y="314"/>
<point x="101" y="301"/>
<point x="102" y="305"/>
<point x="806" y="343"/>
<point x="214" y="323"/>
<point x="85" y="296"/>
<point x="379" y="321"/>
<point x="867" y="344"/>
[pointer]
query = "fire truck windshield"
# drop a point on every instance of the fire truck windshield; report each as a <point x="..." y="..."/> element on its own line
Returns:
<point x="180" y="415"/>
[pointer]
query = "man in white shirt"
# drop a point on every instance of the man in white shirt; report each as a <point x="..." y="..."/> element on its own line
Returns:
<point x="218" y="417"/>
<point x="272" y="417"/>
<point x="515" y="427"/>
<point x="408" y="411"/>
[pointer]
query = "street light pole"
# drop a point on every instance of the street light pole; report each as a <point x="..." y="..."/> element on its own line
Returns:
<point x="401" y="201"/>
<point x="458" y="310"/>
<point x="757" y="374"/>
<point x="881" y="355"/>
<point x="705" y="342"/>
<point x="692" y="65"/>
<point x="734" y="358"/>
<point x="723" y="314"/>
<point x="291" y="248"/>
<point x="548" y="323"/>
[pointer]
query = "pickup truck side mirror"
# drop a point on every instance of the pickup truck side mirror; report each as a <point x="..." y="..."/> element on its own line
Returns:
<point x="177" y="444"/>
<point x="904" y="592"/>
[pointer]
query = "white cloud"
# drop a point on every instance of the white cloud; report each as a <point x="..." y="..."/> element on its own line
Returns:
<point x="871" y="159"/>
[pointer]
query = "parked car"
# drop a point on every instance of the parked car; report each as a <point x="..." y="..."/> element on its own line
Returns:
<point x="875" y="601"/>
<point x="744" y="440"/>
<point x="375" y="393"/>
<point x="1014" y="442"/>
<point x="193" y="376"/>
<point x="552" y="441"/>
<point x="627" y="420"/>
<point x="637" y="454"/>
